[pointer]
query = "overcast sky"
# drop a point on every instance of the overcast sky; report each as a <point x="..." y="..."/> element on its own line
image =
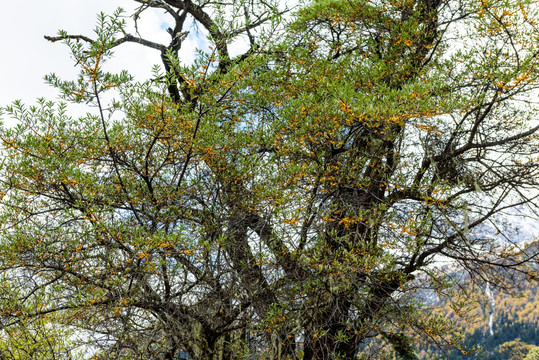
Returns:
<point x="27" y="56"/>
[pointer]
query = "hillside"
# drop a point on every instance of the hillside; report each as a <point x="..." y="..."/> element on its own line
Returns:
<point x="497" y="319"/>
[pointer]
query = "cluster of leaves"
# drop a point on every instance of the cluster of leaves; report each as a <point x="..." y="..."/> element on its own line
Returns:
<point x="285" y="203"/>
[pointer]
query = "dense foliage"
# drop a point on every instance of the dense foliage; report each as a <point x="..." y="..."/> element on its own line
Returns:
<point x="284" y="203"/>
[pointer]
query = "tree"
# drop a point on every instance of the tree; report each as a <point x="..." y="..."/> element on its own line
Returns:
<point x="288" y="202"/>
<point x="37" y="339"/>
<point x="533" y="353"/>
<point x="518" y="350"/>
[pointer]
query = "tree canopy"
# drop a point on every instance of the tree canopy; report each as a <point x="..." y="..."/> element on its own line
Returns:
<point x="297" y="200"/>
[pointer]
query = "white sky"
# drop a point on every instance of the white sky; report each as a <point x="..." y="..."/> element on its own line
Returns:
<point x="27" y="56"/>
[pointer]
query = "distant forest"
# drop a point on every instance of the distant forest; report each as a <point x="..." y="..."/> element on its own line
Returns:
<point x="515" y="319"/>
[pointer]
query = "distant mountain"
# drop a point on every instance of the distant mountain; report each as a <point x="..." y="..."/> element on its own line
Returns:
<point x="498" y="319"/>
